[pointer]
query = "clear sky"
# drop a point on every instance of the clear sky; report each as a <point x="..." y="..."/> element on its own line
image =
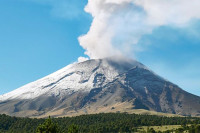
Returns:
<point x="40" y="37"/>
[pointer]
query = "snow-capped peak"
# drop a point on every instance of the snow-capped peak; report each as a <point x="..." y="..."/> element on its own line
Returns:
<point x="75" y="77"/>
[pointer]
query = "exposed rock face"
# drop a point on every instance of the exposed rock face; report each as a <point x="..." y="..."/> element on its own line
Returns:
<point x="94" y="86"/>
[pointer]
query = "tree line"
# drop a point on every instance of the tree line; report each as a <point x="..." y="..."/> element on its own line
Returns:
<point x="93" y="123"/>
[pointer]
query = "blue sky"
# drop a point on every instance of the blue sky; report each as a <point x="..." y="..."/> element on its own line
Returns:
<point x="38" y="38"/>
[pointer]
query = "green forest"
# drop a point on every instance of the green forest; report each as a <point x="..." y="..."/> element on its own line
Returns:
<point x="97" y="123"/>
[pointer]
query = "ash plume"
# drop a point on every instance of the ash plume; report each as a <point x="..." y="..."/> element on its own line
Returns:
<point x="118" y="25"/>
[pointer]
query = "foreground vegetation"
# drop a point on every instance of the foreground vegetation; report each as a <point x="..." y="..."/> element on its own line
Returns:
<point x="100" y="123"/>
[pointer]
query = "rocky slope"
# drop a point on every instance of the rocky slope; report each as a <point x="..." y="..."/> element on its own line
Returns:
<point x="102" y="85"/>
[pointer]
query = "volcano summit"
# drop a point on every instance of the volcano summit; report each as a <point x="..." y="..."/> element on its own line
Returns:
<point x="99" y="85"/>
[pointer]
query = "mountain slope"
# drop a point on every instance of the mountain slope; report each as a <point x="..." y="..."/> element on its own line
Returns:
<point x="94" y="86"/>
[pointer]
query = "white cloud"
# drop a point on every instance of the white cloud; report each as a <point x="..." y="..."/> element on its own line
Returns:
<point x="82" y="59"/>
<point x="164" y="12"/>
<point x="118" y="25"/>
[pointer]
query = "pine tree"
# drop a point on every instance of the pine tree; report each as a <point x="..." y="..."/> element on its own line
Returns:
<point x="73" y="129"/>
<point x="48" y="127"/>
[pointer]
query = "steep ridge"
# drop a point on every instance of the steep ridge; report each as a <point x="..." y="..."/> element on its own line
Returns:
<point x="102" y="85"/>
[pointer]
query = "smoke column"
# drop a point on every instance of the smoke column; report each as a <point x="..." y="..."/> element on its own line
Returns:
<point x="118" y="25"/>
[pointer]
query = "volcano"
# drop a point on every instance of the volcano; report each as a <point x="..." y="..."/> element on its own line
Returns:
<point x="99" y="86"/>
